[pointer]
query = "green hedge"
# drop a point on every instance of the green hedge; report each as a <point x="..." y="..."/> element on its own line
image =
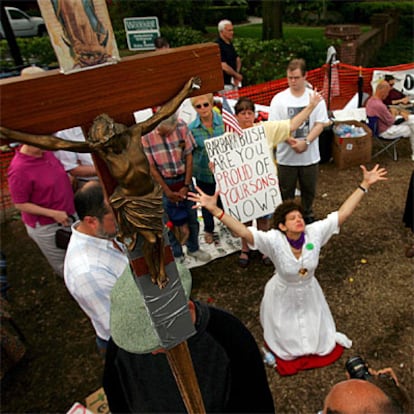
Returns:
<point x="181" y="36"/>
<point x="120" y="38"/>
<point x="267" y="60"/>
<point x="350" y="12"/>
<point x="406" y="27"/>
<point x="182" y="13"/>
<point x="34" y="50"/>
<point x="262" y="61"/>
<point x="237" y="14"/>
<point x="361" y="12"/>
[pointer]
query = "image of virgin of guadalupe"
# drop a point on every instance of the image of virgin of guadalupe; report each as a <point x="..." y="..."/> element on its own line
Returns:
<point x="84" y="33"/>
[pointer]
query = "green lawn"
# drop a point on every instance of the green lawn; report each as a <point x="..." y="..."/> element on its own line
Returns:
<point x="289" y="31"/>
<point x="254" y="31"/>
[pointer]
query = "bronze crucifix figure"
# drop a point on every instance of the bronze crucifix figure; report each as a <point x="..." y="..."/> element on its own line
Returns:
<point x="137" y="199"/>
<point x="34" y="108"/>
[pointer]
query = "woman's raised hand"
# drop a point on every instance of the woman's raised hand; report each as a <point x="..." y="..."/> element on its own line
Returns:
<point x="372" y="176"/>
<point x="203" y="200"/>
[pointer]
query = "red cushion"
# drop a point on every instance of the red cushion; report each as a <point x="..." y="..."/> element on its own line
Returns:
<point x="307" y="362"/>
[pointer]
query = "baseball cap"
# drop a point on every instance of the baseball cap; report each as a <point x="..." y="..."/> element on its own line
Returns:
<point x="390" y="78"/>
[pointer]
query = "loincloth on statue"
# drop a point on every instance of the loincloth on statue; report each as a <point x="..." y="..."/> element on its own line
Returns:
<point x="142" y="214"/>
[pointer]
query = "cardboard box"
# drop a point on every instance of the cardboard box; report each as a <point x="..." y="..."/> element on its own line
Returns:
<point x="97" y="402"/>
<point x="349" y="152"/>
<point x="78" y="408"/>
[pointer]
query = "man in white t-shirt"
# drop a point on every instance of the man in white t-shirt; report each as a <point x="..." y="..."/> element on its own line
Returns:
<point x="79" y="165"/>
<point x="299" y="162"/>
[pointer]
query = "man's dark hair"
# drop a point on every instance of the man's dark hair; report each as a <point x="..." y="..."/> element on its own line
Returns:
<point x="243" y="104"/>
<point x="90" y="201"/>
<point x="161" y="42"/>
<point x="282" y="210"/>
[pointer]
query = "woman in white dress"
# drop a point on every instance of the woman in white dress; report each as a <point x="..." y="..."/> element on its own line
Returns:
<point x="297" y="323"/>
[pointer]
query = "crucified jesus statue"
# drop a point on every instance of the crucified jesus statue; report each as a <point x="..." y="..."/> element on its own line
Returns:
<point x="137" y="199"/>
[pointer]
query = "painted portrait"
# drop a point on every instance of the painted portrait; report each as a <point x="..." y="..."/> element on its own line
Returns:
<point x="81" y="33"/>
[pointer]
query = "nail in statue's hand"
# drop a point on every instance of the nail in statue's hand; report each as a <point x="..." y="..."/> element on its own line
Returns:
<point x="196" y="83"/>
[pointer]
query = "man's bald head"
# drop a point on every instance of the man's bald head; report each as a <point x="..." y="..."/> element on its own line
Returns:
<point x="356" y="396"/>
<point x="382" y="90"/>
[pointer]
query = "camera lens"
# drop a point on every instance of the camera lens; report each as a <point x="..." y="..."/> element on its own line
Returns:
<point x="357" y="368"/>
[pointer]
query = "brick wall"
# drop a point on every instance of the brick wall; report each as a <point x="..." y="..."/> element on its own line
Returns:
<point x="358" y="48"/>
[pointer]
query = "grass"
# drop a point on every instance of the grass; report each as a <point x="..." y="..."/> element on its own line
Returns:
<point x="255" y="31"/>
<point x="396" y="52"/>
<point x="290" y="31"/>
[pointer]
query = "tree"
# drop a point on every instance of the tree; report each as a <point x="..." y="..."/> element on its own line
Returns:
<point x="272" y="11"/>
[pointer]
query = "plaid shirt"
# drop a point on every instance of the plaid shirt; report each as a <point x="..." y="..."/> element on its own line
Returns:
<point x="201" y="171"/>
<point x="168" y="153"/>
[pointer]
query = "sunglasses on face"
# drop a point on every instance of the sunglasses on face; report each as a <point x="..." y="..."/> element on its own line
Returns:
<point x="205" y="105"/>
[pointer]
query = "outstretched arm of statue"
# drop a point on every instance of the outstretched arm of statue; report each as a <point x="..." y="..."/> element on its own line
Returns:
<point x="169" y="108"/>
<point x="47" y="142"/>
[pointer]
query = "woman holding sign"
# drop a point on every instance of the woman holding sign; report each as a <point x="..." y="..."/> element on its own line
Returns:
<point x="298" y="326"/>
<point x="276" y="132"/>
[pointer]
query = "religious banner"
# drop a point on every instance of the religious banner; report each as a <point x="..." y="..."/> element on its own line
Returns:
<point x="245" y="173"/>
<point x="81" y="33"/>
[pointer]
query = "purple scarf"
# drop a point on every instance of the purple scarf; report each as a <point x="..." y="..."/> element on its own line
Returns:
<point x="297" y="244"/>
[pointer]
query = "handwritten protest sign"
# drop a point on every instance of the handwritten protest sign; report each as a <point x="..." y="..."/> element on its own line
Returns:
<point x="245" y="173"/>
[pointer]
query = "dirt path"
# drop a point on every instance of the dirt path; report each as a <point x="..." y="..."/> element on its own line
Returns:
<point x="371" y="302"/>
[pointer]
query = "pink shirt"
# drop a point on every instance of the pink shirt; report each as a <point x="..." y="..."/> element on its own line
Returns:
<point x="42" y="181"/>
<point x="375" y="107"/>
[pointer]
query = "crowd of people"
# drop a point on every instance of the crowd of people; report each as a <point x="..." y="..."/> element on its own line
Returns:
<point x="51" y="190"/>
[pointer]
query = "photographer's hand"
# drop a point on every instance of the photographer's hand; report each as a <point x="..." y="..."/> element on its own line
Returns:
<point x="384" y="371"/>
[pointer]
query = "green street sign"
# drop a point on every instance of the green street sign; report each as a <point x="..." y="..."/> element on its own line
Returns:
<point x="141" y="41"/>
<point x="141" y="32"/>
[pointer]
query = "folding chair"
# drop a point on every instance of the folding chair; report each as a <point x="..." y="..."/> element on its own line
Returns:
<point x="385" y="144"/>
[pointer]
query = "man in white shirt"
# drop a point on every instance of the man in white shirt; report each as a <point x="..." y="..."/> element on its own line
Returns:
<point x="79" y="165"/>
<point x="299" y="162"/>
<point x="93" y="261"/>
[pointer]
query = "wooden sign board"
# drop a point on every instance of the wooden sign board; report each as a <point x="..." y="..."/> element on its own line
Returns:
<point x="52" y="101"/>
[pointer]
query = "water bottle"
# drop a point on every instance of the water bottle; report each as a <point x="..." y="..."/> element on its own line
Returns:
<point x="268" y="358"/>
<point x="359" y="132"/>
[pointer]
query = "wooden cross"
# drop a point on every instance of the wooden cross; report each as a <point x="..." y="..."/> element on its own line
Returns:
<point x="52" y="101"/>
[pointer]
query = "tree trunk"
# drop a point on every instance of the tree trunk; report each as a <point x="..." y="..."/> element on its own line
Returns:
<point x="272" y="12"/>
<point x="324" y="10"/>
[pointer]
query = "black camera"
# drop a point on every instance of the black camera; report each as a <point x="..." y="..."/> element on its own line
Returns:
<point x="357" y="368"/>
